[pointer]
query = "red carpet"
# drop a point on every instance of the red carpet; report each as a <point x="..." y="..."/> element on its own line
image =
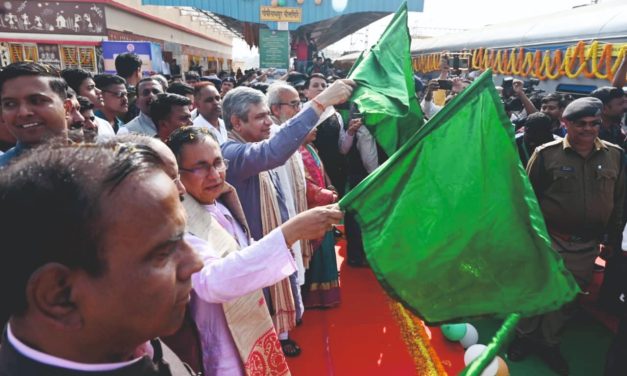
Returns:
<point x="361" y="336"/>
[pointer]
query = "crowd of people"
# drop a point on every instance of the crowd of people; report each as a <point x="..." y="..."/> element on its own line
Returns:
<point x="200" y="213"/>
<point x="184" y="226"/>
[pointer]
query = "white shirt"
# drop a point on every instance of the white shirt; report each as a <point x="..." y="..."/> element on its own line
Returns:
<point x="258" y="265"/>
<point x="366" y="145"/>
<point x="54" y="361"/>
<point x="429" y="108"/>
<point x="105" y="130"/>
<point x="221" y="135"/>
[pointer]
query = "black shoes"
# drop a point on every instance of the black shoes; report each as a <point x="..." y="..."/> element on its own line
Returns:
<point x="552" y="357"/>
<point x="520" y="348"/>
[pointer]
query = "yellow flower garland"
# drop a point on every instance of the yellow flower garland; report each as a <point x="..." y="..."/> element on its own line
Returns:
<point x="581" y="60"/>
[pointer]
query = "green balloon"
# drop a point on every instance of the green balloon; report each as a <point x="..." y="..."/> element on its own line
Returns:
<point x="453" y="332"/>
<point x="281" y="3"/>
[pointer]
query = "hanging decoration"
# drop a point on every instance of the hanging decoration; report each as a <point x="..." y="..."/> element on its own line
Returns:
<point x="589" y="60"/>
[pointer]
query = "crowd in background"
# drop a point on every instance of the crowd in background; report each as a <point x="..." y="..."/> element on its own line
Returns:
<point x="120" y="194"/>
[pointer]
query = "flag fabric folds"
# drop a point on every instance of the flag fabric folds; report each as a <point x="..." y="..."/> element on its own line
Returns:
<point x="385" y="94"/>
<point x="450" y="224"/>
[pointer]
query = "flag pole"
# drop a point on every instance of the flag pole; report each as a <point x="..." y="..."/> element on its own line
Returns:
<point x="502" y="335"/>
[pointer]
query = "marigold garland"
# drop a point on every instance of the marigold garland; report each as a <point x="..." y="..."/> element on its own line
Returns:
<point x="589" y="60"/>
<point x="417" y="341"/>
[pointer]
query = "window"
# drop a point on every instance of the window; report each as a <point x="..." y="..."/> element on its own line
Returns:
<point x="23" y="52"/>
<point x="78" y="57"/>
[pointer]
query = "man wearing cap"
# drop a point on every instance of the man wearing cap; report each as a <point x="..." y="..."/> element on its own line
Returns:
<point x="580" y="186"/>
<point x="227" y="84"/>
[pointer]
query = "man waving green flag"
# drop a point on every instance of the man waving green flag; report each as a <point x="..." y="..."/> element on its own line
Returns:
<point x="385" y="93"/>
<point x="451" y="226"/>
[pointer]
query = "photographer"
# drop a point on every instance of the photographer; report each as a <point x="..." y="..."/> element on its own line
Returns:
<point x="428" y="107"/>
<point x="518" y="87"/>
<point x="450" y="87"/>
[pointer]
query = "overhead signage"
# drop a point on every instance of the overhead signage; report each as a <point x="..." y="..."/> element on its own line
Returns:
<point x="280" y="14"/>
<point x="274" y="49"/>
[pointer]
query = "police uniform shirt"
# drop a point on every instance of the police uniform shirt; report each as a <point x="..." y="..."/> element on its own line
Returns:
<point x="579" y="196"/>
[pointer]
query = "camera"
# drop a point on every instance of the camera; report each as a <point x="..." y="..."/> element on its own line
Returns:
<point x="510" y="101"/>
<point x="445" y="84"/>
<point x="508" y="87"/>
<point x="460" y="62"/>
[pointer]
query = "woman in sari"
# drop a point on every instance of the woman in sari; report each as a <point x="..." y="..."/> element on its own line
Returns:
<point x="321" y="288"/>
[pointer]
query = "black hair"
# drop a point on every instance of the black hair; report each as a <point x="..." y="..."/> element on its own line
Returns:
<point x="75" y="77"/>
<point x="180" y="88"/>
<point x="84" y="103"/>
<point x="70" y="93"/>
<point x="127" y="63"/>
<point x="607" y="93"/>
<point x="59" y="190"/>
<point x="187" y="135"/>
<point x="554" y="97"/>
<point x="192" y="75"/>
<point x="261" y="86"/>
<point x="21" y="69"/>
<point x="538" y="120"/>
<point x="161" y="107"/>
<point x="103" y="81"/>
<point x="314" y="75"/>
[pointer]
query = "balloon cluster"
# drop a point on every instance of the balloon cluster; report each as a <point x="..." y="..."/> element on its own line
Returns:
<point x="468" y="336"/>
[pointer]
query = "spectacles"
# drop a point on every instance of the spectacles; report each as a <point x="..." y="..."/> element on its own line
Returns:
<point x="583" y="124"/>
<point x="217" y="98"/>
<point x="204" y="169"/>
<point x="117" y="94"/>
<point x="295" y="105"/>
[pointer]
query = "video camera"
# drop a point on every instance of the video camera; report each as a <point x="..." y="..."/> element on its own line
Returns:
<point x="510" y="101"/>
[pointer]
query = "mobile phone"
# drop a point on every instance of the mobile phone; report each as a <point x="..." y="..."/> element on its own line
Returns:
<point x="353" y="112"/>
<point x="445" y="84"/>
<point x="460" y="62"/>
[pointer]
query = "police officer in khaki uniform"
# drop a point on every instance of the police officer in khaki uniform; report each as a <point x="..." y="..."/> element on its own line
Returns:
<point x="580" y="184"/>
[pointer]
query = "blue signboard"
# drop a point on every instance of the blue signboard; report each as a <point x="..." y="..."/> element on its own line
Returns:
<point x="148" y="52"/>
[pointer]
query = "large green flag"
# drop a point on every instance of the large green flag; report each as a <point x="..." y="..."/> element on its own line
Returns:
<point x="385" y="94"/>
<point x="450" y="223"/>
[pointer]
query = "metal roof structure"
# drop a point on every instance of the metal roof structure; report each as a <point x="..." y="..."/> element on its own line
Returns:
<point x="606" y="22"/>
<point x="328" y="21"/>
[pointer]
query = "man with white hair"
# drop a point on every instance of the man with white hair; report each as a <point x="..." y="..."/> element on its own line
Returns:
<point x="252" y="154"/>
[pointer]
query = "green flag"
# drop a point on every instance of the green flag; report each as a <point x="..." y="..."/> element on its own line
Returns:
<point x="385" y="94"/>
<point x="450" y="223"/>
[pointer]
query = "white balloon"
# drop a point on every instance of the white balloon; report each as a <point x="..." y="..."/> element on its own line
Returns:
<point x="473" y="352"/>
<point x="471" y="337"/>
<point x="339" y="5"/>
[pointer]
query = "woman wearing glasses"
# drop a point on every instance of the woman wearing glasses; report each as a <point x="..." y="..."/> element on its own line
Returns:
<point x="232" y="318"/>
